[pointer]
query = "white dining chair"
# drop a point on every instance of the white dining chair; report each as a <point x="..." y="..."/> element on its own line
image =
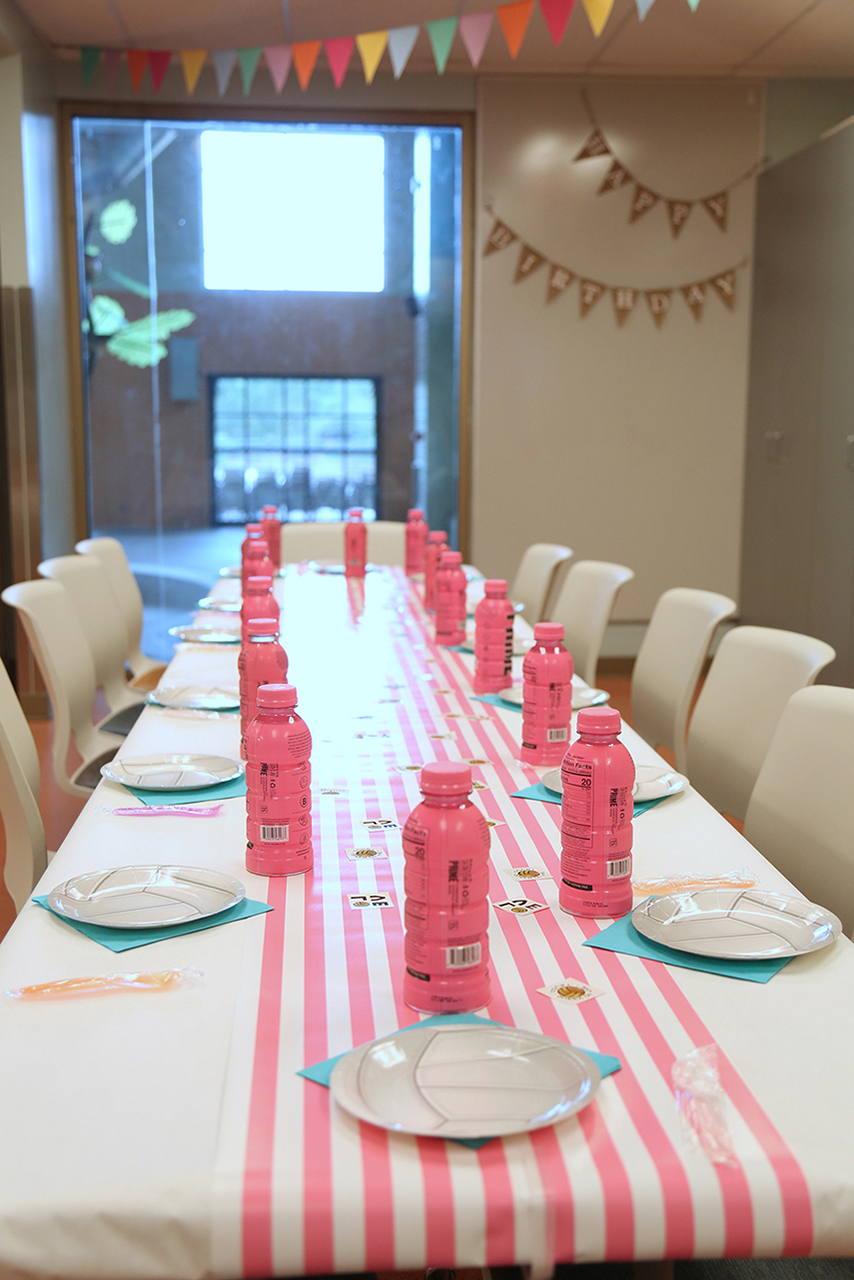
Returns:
<point x="671" y="656"/>
<point x="801" y="811"/>
<point x="322" y="540"/>
<point x="105" y="631"/>
<point x="753" y="674"/>
<point x="535" y="577"/>
<point x="62" y="653"/>
<point x="110" y="554"/>
<point x="26" y="850"/>
<point x="584" y="605"/>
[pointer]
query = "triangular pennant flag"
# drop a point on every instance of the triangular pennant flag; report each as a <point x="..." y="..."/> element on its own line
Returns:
<point x="278" y="60"/>
<point x="695" y="296"/>
<point x="441" y="33"/>
<point x="90" y="56"/>
<point x="693" y="5"/>
<point x="499" y="238"/>
<point x="112" y="62"/>
<point x="137" y="62"/>
<point x="616" y="177"/>
<point x="594" y="146"/>
<point x="248" y="59"/>
<point x="598" y="11"/>
<point x="725" y="286"/>
<point x="158" y="61"/>
<point x="590" y="292"/>
<point x="644" y="7"/>
<point x="224" y="62"/>
<point x="474" y="30"/>
<point x="514" y="19"/>
<point x="642" y="203"/>
<point x="556" y="14"/>
<point x="401" y="42"/>
<point x="677" y="212"/>
<point x="658" y="301"/>
<point x="192" y="60"/>
<point x="529" y="260"/>
<point x="371" y="47"/>
<point x="559" y="280"/>
<point x="717" y="207"/>
<point x="624" y="302"/>
<point x="304" y="55"/>
<point x="338" y="55"/>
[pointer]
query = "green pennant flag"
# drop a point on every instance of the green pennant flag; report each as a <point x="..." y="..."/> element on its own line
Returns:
<point x="441" y="33"/>
<point x="90" y="56"/>
<point x="248" y="59"/>
<point x="693" y="5"/>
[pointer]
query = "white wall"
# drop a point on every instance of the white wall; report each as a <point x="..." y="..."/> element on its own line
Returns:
<point x="625" y="443"/>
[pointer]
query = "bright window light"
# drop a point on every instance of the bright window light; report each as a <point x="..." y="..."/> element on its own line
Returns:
<point x="300" y="211"/>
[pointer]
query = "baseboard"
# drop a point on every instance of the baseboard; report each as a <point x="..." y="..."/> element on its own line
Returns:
<point x="615" y="666"/>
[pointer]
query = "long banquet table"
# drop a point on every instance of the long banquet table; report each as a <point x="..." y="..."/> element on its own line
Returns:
<point x="168" y="1134"/>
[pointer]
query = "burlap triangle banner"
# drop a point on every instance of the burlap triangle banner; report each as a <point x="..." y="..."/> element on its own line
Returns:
<point x="658" y="301"/>
<point x="695" y="296"/>
<point x="724" y="285"/>
<point x="590" y="292"/>
<point x="594" y="146"/>
<point x="616" y="177"/>
<point x="559" y="281"/>
<point x="717" y="208"/>
<point x="642" y="203"/>
<point x="677" y="213"/>
<point x="624" y="302"/>
<point x="529" y="261"/>
<point x="499" y="238"/>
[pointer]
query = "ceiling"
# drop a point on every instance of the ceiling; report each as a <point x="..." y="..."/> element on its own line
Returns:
<point x="753" y="38"/>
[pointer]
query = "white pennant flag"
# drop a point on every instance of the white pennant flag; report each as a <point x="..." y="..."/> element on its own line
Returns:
<point x="224" y="61"/>
<point x="401" y="42"/>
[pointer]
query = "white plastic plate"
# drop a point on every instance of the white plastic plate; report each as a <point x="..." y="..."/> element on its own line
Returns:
<point x="736" y="924"/>
<point x="206" y="635"/>
<point x="176" y="772"/>
<point x="196" y="698"/>
<point x="220" y="606"/>
<point x="552" y="781"/>
<point x="464" y="1081"/>
<point x="653" y="783"/>
<point x="145" y="897"/>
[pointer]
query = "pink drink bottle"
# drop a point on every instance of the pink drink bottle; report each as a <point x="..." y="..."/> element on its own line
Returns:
<point x="278" y="786"/>
<point x="355" y="544"/>
<point x="254" y="531"/>
<point x="445" y="879"/>
<point x="256" y="562"/>
<point x="262" y="660"/>
<point x="546" y="697"/>
<point x="258" y="602"/>
<point x="597" y="776"/>
<point x="272" y="526"/>
<point x="450" y="590"/>
<point x="437" y="542"/>
<point x="493" y="638"/>
<point x="416" y="540"/>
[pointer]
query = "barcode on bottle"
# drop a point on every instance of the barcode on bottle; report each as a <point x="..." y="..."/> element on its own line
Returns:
<point x="558" y="735"/>
<point x="273" y="834"/>
<point x="462" y="957"/>
<point x="620" y="867"/>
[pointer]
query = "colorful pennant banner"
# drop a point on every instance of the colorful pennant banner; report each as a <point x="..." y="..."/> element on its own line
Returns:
<point x="624" y="297"/>
<point x="473" y="28"/>
<point x="643" y="197"/>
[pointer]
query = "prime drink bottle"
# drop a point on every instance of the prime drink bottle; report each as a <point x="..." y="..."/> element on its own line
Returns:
<point x="262" y="660"/>
<point x="597" y="776"/>
<point x="446" y="875"/>
<point x="258" y="602"/>
<point x="493" y="638"/>
<point x="546" y="697"/>
<point x="256" y="561"/>
<point x="450" y="591"/>
<point x="437" y="542"/>
<point x="272" y="526"/>
<point x="416" y="540"/>
<point x="355" y="544"/>
<point x="278" y="786"/>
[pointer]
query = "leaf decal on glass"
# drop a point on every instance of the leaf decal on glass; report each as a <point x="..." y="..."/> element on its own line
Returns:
<point x="117" y="221"/>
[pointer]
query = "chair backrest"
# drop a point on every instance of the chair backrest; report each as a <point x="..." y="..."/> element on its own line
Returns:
<point x="584" y="605"/>
<point x="753" y="674"/>
<point x="111" y="555"/>
<point x="26" y="853"/>
<point x="801" y="811"/>
<point x="669" y="662"/>
<point x="535" y="576"/>
<point x="322" y="540"/>
<point x="62" y="652"/>
<point x="88" y="587"/>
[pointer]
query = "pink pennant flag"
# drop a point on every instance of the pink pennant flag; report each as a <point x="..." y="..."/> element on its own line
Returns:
<point x="112" y="62"/>
<point x="278" y="60"/>
<point x="556" y="14"/>
<point x="338" y="55"/>
<point x="474" y="31"/>
<point x="158" y="62"/>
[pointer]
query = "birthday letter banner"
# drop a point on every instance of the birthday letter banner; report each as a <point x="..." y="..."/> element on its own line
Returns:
<point x="624" y="297"/>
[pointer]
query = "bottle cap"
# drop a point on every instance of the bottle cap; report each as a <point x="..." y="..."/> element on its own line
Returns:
<point x="354" y="513"/>
<point x="262" y="627"/>
<point x="446" y="778"/>
<point x="415" y="513"/>
<point x="438" y="535"/>
<point x="495" y="587"/>
<point x="255" y="530"/>
<point x="258" y="584"/>
<point x="276" y="697"/>
<point x="548" y="632"/>
<point x="599" y="720"/>
<point x="270" y="510"/>
<point x="451" y="559"/>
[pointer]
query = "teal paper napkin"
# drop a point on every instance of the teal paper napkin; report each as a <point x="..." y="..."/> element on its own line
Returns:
<point x="622" y="936"/>
<point x="127" y="939"/>
<point x="321" y="1072"/>
<point x="497" y="701"/>
<point x="195" y="795"/>
<point x="540" y="792"/>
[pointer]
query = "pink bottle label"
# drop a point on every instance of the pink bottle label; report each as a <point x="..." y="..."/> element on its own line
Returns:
<point x="596" y="829"/>
<point x="355" y="548"/>
<point x="450" y="606"/>
<point x="278" y="795"/>
<point x="416" y="543"/>
<point x="432" y="555"/>
<point x="260" y="605"/>
<point x="263" y="662"/>
<point x="272" y="527"/>
<point x="546" y="704"/>
<point x="493" y="645"/>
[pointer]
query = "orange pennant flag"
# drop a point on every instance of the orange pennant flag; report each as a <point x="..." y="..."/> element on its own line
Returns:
<point x="371" y="46"/>
<point x="305" y="57"/>
<point x="529" y="260"/>
<point x="137" y="62"/>
<point x="559" y="281"/>
<point x="192" y="60"/>
<point x="514" y="19"/>
<point x="695" y="296"/>
<point x="598" y="12"/>
<point x="590" y="292"/>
